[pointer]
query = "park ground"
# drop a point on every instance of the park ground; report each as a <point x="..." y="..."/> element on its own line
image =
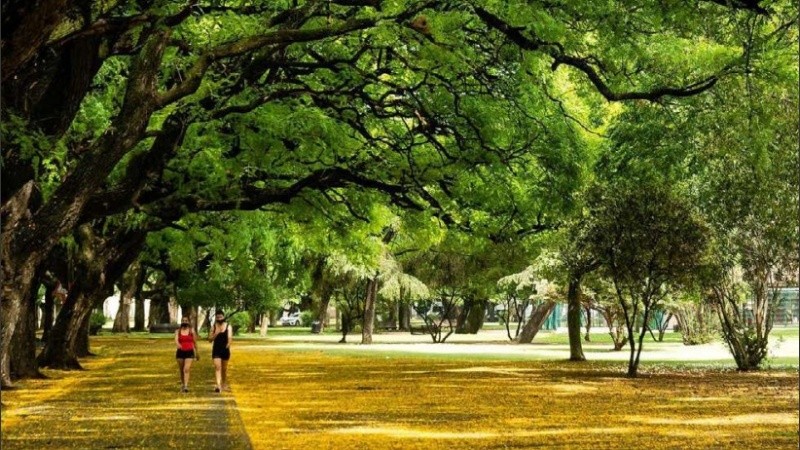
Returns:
<point x="292" y="390"/>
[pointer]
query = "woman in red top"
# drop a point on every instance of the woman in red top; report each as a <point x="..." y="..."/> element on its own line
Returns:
<point x="187" y="351"/>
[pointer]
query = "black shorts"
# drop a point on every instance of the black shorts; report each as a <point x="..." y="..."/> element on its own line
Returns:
<point x="184" y="354"/>
<point x="222" y="353"/>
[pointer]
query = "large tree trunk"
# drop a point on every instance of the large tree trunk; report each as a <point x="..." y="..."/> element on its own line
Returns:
<point x="534" y="323"/>
<point x="81" y="343"/>
<point x="48" y="311"/>
<point x="574" y="318"/>
<point x="264" y="322"/>
<point x="102" y="261"/>
<point x="391" y="321"/>
<point x="369" y="311"/>
<point x="59" y="351"/>
<point x="123" y="318"/>
<point x="27" y="238"/>
<point x="322" y="311"/>
<point x="27" y="30"/>
<point x="23" y="346"/>
<point x="473" y="317"/>
<point x="17" y="274"/>
<point x="404" y="314"/>
<point x="159" y="309"/>
<point x="172" y="307"/>
<point x="138" y="315"/>
<point x="127" y="292"/>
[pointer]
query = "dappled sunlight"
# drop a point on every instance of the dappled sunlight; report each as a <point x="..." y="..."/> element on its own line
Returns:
<point x="411" y="433"/>
<point x="291" y="399"/>
<point x="494" y="370"/>
<point x="743" y="419"/>
<point x="126" y="399"/>
<point x="701" y="399"/>
<point x="379" y="401"/>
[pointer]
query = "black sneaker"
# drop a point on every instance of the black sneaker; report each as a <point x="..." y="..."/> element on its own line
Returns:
<point x="216" y="389"/>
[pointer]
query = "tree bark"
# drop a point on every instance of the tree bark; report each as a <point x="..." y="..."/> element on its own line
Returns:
<point x="29" y="31"/>
<point x="138" y="315"/>
<point x="23" y="346"/>
<point x="127" y="292"/>
<point x="28" y="238"/>
<point x="391" y="322"/>
<point x="48" y="311"/>
<point x="475" y="317"/>
<point x="470" y="317"/>
<point x="81" y="341"/>
<point x="574" y="318"/>
<point x="534" y="323"/>
<point x="588" y="337"/>
<point x="368" y="324"/>
<point x="264" y="323"/>
<point x="159" y="309"/>
<point x="404" y="316"/>
<point x="322" y="311"/>
<point x="17" y="275"/>
<point x="101" y="262"/>
<point x="173" y="307"/>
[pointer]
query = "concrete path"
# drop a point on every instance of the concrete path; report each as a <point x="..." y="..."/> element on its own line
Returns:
<point x="132" y="401"/>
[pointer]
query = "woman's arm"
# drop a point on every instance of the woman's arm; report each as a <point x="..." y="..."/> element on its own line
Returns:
<point x="177" y="342"/>
<point x="212" y="333"/>
<point x="230" y="336"/>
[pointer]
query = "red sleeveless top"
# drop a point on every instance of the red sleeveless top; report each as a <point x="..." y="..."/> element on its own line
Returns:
<point x="187" y="342"/>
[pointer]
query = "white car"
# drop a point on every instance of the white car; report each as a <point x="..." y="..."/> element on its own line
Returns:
<point x="292" y="320"/>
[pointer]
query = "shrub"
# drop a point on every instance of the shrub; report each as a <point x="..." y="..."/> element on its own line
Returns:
<point x="96" y="322"/>
<point x="240" y="320"/>
<point x="306" y="318"/>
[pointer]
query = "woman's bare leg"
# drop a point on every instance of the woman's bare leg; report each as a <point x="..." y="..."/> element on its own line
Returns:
<point x="187" y="367"/>
<point x="180" y="371"/>
<point x="224" y="384"/>
<point x="218" y="372"/>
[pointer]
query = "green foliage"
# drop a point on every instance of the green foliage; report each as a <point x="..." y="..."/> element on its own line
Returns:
<point x="240" y="321"/>
<point x="648" y="241"/>
<point x="306" y="318"/>
<point x="96" y="322"/>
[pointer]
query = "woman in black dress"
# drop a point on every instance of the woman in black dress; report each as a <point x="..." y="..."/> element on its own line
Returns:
<point x="221" y="336"/>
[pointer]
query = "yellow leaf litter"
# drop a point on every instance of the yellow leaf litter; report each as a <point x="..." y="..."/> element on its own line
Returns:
<point x="283" y="398"/>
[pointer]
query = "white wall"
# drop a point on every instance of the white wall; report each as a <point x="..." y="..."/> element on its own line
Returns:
<point x="111" y="306"/>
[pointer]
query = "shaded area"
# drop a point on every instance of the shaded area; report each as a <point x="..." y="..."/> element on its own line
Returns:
<point x="333" y="400"/>
<point x="131" y="402"/>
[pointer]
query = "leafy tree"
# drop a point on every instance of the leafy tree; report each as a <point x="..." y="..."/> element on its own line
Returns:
<point x="695" y="316"/>
<point x="169" y="108"/>
<point x="648" y="241"/>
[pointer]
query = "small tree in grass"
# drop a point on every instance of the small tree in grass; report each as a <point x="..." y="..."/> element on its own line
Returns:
<point x="438" y="311"/>
<point x="530" y="288"/>
<point x="602" y="298"/>
<point x="516" y="293"/>
<point x="745" y="313"/>
<point x="696" y="319"/>
<point x="648" y="240"/>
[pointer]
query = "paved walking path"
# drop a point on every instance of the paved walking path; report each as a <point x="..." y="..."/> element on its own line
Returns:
<point x="134" y="401"/>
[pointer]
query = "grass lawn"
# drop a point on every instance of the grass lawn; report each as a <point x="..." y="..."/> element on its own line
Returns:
<point x="287" y="398"/>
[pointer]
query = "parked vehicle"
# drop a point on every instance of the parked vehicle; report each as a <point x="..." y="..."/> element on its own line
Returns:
<point x="291" y="320"/>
